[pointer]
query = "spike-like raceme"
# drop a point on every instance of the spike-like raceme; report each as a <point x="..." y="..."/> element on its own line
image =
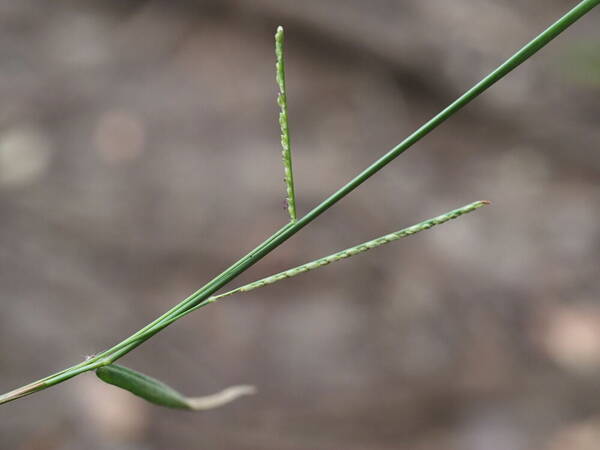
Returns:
<point x="357" y="249"/>
<point x="286" y="150"/>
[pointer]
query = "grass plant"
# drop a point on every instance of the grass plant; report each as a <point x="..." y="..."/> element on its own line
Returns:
<point x="207" y="294"/>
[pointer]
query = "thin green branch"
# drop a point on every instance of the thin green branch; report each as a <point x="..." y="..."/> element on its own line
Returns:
<point x="347" y="253"/>
<point x="338" y="256"/>
<point x="290" y="229"/>
<point x="286" y="151"/>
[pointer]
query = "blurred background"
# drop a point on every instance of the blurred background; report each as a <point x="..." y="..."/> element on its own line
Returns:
<point x="139" y="157"/>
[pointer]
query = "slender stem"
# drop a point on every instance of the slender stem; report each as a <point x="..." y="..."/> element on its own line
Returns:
<point x="286" y="150"/>
<point x="343" y="254"/>
<point x="200" y="291"/>
<point x="289" y="230"/>
<point x="514" y="61"/>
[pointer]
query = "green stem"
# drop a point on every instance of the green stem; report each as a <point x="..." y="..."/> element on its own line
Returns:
<point x="289" y="230"/>
<point x="352" y="251"/>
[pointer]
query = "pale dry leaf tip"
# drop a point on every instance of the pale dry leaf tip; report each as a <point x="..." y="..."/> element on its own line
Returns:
<point x="220" y="398"/>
